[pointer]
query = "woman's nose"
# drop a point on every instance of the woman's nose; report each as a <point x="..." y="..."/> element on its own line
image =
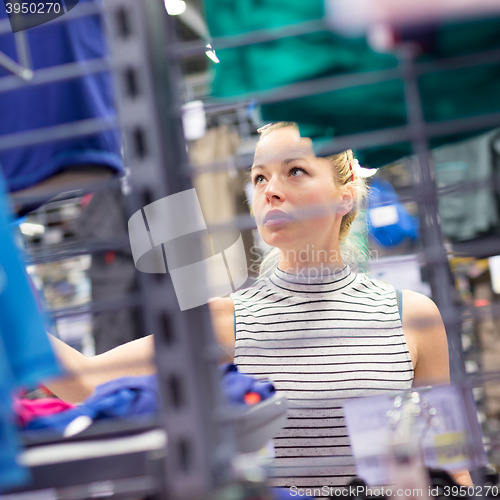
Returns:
<point x="274" y="190"/>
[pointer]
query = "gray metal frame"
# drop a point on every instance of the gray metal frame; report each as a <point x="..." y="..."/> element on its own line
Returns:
<point x="199" y="447"/>
<point x="425" y="187"/>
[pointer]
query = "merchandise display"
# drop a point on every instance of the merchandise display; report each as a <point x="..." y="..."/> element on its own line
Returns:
<point x="390" y="223"/>
<point x="111" y="274"/>
<point x="470" y="214"/>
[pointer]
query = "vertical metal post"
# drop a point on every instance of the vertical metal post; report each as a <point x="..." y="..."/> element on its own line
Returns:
<point x="442" y="286"/>
<point x="147" y="79"/>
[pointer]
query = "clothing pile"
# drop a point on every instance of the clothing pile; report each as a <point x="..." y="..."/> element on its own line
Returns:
<point x="128" y="397"/>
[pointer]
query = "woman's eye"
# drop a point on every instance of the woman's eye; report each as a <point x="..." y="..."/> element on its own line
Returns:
<point x="257" y="178"/>
<point x="297" y="169"/>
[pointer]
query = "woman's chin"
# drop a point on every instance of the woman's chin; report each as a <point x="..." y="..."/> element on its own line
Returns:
<point x="281" y="239"/>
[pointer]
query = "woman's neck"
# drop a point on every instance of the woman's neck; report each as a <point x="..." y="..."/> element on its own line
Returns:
<point x="295" y="261"/>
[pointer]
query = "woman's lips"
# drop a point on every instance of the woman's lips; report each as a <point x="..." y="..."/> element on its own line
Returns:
<point x="275" y="221"/>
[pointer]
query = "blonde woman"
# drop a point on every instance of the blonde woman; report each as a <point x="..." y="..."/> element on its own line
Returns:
<point x="320" y="330"/>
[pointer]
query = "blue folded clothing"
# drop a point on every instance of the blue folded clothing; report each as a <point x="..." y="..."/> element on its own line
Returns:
<point x="123" y="397"/>
<point x="135" y="396"/>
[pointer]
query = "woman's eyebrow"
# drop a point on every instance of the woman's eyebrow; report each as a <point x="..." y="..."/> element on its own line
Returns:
<point x="257" y="166"/>
<point x="290" y="160"/>
<point x="284" y="162"/>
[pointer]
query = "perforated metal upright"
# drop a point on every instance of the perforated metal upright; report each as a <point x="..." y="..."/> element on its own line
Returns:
<point x="147" y="79"/>
<point x="427" y="197"/>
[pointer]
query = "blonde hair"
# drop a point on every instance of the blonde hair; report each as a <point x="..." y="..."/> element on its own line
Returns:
<point x="344" y="173"/>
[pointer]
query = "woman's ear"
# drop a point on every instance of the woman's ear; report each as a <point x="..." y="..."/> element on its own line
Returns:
<point x="347" y="201"/>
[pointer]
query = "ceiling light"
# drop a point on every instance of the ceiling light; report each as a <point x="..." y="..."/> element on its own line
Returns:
<point x="175" y="7"/>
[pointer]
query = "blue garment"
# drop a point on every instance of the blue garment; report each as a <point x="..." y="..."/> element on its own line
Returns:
<point x="27" y="348"/>
<point x="57" y="103"/>
<point x="382" y="194"/>
<point x="26" y="356"/>
<point x="10" y="473"/>
<point x="133" y="396"/>
<point x="123" y="397"/>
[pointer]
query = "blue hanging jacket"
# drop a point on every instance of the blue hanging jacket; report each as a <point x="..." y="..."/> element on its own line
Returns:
<point x="401" y="225"/>
<point x="26" y="355"/>
<point x="57" y="103"/>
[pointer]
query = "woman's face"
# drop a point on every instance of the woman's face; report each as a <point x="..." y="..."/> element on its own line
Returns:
<point x="288" y="180"/>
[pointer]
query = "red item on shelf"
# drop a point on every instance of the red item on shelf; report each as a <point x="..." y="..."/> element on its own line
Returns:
<point x="252" y="398"/>
<point x="28" y="409"/>
<point x="109" y="257"/>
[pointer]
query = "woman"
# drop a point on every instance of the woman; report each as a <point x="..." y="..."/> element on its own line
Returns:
<point x="321" y="331"/>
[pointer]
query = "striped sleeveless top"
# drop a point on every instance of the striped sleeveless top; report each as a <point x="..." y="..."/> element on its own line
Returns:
<point x="320" y="340"/>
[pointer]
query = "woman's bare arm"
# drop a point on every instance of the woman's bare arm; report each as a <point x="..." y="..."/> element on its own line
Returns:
<point x="85" y="374"/>
<point x="222" y="314"/>
<point x="426" y="336"/>
<point x="134" y="358"/>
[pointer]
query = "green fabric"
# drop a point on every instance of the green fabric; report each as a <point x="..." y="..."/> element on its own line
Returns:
<point x="466" y="215"/>
<point x="288" y="60"/>
<point x="227" y="17"/>
<point x="445" y="95"/>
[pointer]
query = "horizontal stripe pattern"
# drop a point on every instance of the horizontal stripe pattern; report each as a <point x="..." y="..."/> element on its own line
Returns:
<point x="321" y="340"/>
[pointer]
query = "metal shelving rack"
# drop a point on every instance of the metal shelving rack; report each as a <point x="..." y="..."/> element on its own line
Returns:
<point x="147" y="78"/>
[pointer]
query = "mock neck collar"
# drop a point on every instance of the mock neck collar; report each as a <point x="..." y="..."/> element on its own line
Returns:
<point x="311" y="281"/>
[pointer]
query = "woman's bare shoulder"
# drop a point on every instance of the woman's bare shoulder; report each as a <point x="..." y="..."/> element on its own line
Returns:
<point x="221" y="305"/>
<point x="420" y="310"/>
<point x="426" y="336"/>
